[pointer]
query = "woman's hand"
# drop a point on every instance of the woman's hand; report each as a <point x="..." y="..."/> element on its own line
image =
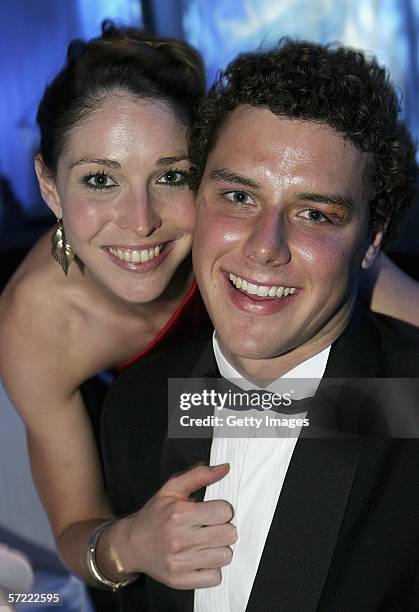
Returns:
<point x="174" y="539"/>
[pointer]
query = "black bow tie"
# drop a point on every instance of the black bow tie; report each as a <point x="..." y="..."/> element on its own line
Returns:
<point x="255" y="399"/>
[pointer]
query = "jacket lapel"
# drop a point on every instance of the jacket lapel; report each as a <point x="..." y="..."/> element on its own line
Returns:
<point x="305" y="526"/>
<point x="356" y="353"/>
<point x="308" y="517"/>
<point x="180" y="454"/>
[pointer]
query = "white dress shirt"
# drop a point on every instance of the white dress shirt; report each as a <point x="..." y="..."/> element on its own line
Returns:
<point x="258" y="467"/>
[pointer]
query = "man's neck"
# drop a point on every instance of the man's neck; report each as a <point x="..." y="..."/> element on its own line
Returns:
<point x="264" y="371"/>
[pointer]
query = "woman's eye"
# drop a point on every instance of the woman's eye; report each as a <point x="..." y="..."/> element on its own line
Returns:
<point x="99" y="181"/>
<point x="172" y="178"/>
<point x="238" y="197"/>
<point x="312" y="214"/>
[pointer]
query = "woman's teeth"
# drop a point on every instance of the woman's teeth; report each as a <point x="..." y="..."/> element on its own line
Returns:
<point x="135" y="256"/>
<point x="260" y="290"/>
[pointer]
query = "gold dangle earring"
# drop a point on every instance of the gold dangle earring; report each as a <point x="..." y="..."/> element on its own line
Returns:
<point x="61" y="249"/>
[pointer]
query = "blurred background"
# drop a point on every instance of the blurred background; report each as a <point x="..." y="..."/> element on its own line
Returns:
<point x="33" y="44"/>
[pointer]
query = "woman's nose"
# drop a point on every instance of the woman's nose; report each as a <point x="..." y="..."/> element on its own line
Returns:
<point x="139" y="214"/>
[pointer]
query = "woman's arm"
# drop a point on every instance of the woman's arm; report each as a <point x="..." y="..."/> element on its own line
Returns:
<point x="178" y="542"/>
<point x="68" y="476"/>
<point x="388" y="290"/>
<point x="41" y="369"/>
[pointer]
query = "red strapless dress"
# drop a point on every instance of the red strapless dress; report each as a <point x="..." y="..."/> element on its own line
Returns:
<point x="188" y="321"/>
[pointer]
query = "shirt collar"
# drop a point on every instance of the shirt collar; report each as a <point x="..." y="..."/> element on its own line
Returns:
<point x="310" y="372"/>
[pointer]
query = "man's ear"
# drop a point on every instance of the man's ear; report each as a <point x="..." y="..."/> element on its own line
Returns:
<point x="376" y="238"/>
<point x="47" y="187"/>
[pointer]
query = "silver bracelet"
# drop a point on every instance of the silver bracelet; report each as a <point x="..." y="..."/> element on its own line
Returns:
<point x="94" y="570"/>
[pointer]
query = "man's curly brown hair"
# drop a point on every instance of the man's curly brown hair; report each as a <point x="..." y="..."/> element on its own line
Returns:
<point x="328" y="84"/>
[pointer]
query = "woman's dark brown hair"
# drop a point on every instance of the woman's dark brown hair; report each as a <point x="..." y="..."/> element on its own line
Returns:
<point x="125" y="59"/>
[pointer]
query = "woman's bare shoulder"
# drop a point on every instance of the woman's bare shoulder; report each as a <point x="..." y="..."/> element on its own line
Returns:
<point x="41" y="320"/>
<point x="63" y="324"/>
<point x="36" y="294"/>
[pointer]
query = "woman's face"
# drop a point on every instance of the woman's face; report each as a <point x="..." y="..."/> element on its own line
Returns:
<point x="122" y="193"/>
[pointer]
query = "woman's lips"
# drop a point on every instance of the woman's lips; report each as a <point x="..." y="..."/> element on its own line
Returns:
<point x="139" y="259"/>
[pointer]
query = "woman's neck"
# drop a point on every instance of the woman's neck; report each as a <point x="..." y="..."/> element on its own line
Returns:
<point x="160" y="308"/>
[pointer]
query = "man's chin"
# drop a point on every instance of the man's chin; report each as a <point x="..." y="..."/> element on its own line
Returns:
<point x="251" y="348"/>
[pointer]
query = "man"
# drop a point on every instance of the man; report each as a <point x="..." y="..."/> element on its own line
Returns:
<point x="303" y="170"/>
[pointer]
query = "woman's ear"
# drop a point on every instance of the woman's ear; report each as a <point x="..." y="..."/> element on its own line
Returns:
<point x="47" y="187"/>
<point x="374" y="248"/>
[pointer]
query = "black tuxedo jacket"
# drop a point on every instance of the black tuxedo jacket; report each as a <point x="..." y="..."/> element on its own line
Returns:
<point x="345" y="533"/>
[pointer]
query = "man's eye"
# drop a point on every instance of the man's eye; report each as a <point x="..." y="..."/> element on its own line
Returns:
<point x="172" y="178"/>
<point x="238" y="197"/>
<point x="99" y="181"/>
<point x="314" y="215"/>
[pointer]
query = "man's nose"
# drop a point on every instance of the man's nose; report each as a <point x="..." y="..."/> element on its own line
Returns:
<point x="267" y="243"/>
<point x="138" y="214"/>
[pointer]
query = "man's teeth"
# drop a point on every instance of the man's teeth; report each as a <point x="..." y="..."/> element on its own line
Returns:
<point x="260" y="290"/>
<point x="135" y="256"/>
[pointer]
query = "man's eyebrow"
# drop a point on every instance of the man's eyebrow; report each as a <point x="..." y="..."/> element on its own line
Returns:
<point x="109" y="163"/>
<point x="231" y="177"/>
<point x="165" y="161"/>
<point x="328" y="198"/>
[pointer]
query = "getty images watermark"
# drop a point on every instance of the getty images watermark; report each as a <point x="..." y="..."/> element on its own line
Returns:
<point x="241" y="410"/>
<point x="263" y="400"/>
<point x="380" y="408"/>
<point x="202" y="408"/>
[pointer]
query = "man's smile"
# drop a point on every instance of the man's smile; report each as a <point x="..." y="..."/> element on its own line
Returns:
<point x="265" y="291"/>
<point x="252" y="303"/>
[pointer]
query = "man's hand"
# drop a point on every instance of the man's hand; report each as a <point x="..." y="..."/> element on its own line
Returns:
<point x="175" y="540"/>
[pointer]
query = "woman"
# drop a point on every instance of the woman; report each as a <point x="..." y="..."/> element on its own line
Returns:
<point x="113" y="168"/>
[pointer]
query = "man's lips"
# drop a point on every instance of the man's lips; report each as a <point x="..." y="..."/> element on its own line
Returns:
<point x="258" y="290"/>
<point x="256" y="304"/>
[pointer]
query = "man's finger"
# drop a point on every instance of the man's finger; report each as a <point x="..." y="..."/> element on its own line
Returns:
<point x="185" y="484"/>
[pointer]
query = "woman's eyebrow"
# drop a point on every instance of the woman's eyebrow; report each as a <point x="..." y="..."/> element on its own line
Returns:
<point x="231" y="177"/>
<point x="110" y="163"/>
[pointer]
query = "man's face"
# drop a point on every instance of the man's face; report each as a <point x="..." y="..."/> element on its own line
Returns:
<point x="282" y="231"/>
